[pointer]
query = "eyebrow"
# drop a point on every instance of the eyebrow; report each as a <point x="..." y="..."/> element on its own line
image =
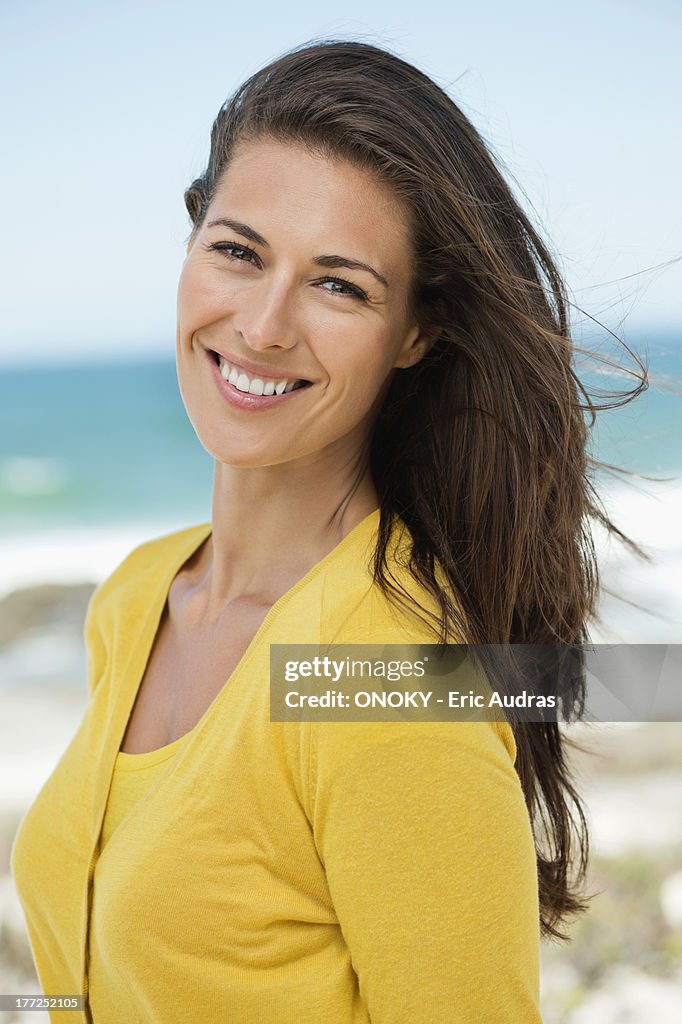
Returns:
<point x="320" y="261"/>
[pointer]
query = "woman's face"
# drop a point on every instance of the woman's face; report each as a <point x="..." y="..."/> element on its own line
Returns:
<point x="273" y="285"/>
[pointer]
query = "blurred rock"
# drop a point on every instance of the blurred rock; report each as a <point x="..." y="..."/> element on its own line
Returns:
<point x="41" y="635"/>
<point x="40" y="608"/>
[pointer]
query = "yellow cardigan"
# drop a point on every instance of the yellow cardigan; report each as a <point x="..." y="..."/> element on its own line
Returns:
<point x="281" y="872"/>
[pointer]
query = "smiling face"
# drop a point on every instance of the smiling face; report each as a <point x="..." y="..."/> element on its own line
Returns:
<point x="300" y="271"/>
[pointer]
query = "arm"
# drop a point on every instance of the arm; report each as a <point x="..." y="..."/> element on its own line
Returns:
<point x="424" y="834"/>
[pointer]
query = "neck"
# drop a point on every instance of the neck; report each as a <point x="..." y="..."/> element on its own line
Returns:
<point x="270" y="526"/>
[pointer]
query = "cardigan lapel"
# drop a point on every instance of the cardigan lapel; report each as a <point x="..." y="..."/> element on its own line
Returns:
<point x="128" y="637"/>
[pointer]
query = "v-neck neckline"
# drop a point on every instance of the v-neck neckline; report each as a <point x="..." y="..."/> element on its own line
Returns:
<point x="139" y="659"/>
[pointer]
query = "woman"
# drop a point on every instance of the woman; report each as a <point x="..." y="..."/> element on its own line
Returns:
<point x="373" y="346"/>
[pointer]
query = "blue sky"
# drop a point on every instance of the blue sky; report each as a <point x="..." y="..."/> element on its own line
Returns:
<point x="108" y="107"/>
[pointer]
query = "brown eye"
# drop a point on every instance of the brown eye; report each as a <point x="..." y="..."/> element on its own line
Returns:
<point x="352" y="290"/>
<point x="233" y="251"/>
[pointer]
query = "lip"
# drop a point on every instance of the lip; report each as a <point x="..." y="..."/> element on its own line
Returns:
<point x="243" y="400"/>
<point x="253" y="369"/>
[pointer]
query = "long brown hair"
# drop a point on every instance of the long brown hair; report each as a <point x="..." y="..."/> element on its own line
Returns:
<point x="481" y="447"/>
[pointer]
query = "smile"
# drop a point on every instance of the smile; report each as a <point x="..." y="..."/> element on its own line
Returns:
<point x="251" y="393"/>
<point x="255" y="385"/>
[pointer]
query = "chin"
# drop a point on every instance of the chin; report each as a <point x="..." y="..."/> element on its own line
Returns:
<point x="243" y="455"/>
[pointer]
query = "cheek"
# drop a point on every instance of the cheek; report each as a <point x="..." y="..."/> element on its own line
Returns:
<point x="357" y="379"/>
<point x="359" y="352"/>
<point x="199" y="301"/>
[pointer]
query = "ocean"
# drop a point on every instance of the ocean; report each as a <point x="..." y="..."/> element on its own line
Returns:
<point x="98" y="457"/>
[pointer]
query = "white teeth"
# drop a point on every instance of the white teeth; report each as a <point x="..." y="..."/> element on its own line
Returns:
<point x="255" y="385"/>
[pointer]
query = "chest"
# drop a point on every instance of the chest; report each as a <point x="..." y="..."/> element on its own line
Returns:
<point x="185" y="672"/>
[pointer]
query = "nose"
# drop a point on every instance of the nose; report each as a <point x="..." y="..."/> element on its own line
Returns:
<point x="266" y="319"/>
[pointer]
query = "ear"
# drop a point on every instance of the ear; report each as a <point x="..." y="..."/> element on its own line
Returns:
<point x="417" y="343"/>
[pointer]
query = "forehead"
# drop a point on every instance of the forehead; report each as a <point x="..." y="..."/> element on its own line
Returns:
<point x="323" y="203"/>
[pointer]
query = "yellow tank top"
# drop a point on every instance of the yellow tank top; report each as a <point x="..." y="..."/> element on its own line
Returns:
<point x="133" y="775"/>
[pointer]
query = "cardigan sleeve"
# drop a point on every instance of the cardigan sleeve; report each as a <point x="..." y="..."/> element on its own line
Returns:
<point x="426" y="841"/>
